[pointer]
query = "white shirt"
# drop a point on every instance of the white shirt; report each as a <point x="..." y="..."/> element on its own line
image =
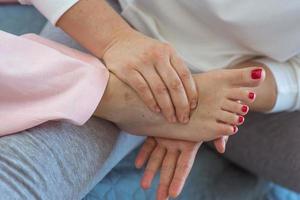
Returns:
<point x="212" y="34"/>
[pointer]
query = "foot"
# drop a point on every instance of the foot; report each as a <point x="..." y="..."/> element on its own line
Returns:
<point x="219" y="110"/>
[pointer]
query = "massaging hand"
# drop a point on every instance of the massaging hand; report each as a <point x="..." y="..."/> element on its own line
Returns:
<point x="155" y="72"/>
<point x="174" y="158"/>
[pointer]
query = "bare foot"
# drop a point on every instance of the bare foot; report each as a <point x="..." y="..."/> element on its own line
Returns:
<point x="217" y="114"/>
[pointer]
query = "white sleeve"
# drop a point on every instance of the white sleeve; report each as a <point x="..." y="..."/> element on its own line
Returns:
<point x="287" y="77"/>
<point x="51" y="9"/>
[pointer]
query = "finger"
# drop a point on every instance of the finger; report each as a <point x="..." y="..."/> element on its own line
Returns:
<point x="160" y="92"/>
<point x="187" y="79"/>
<point x="183" y="168"/>
<point x="176" y="90"/>
<point x="138" y="83"/>
<point x="153" y="165"/>
<point x="145" y="152"/>
<point x="220" y="144"/>
<point x="166" y="174"/>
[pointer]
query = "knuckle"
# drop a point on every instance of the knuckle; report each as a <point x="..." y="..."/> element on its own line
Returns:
<point x="149" y="100"/>
<point x="167" y="47"/>
<point x="128" y="65"/>
<point x="161" y="89"/>
<point x="176" y="85"/>
<point x="150" y="142"/>
<point x="185" y="74"/>
<point x="145" y="60"/>
<point x="141" y="88"/>
<point x="161" y="51"/>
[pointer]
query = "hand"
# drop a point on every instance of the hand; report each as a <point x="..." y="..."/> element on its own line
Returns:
<point x="175" y="157"/>
<point x="155" y="72"/>
<point x="220" y="144"/>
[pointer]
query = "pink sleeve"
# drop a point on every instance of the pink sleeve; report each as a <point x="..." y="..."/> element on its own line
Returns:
<point x="41" y="80"/>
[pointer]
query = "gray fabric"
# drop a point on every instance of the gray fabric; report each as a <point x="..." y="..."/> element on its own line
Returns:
<point x="55" y="160"/>
<point x="269" y="146"/>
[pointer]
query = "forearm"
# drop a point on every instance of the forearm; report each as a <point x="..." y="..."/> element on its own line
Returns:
<point x="94" y="24"/>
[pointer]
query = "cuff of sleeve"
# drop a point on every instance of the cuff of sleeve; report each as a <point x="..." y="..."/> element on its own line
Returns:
<point x="51" y="9"/>
<point x="287" y="85"/>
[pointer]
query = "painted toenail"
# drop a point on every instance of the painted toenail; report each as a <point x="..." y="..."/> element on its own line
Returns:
<point x="256" y="74"/>
<point x="241" y="119"/>
<point x="251" y="95"/>
<point x="234" y="129"/>
<point x="245" y="109"/>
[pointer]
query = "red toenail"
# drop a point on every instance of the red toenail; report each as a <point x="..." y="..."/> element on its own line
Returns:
<point x="251" y="95"/>
<point x="256" y="74"/>
<point x="241" y="119"/>
<point x="245" y="109"/>
<point x="234" y="129"/>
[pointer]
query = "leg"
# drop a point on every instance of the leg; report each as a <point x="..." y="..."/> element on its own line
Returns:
<point x="55" y="160"/>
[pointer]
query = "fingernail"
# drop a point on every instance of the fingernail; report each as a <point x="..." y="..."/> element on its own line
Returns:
<point x="245" y="109"/>
<point x="251" y="95"/>
<point x="185" y="119"/>
<point x="224" y="144"/>
<point x="241" y="119"/>
<point x="256" y="74"/>
<point x="194" y="104"/>
<point x="157" y="109"/>
<point x="173" y="119"/>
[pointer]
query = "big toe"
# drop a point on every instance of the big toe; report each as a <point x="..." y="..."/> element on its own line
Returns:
<point x="246" y="77"/>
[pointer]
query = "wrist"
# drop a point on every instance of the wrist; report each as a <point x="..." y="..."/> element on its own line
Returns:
<point x="94" y="31"/>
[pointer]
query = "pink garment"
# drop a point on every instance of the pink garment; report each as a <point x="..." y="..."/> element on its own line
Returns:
<point x="41" y="80"/>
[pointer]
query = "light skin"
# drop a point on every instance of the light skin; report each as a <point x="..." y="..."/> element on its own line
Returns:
<point x="175" y="158"/>
<point x="152" y="68"/>
<point x="230" y="85"/>
<point x="216" y="115"/>
<point x="153" y="71"/>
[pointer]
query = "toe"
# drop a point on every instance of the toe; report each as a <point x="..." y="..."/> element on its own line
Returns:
<point x="230" y="118"/>
<point x="225" y="129"/>
<point x="241" y="94"/>
<point x="235" y="107"/>
<point x="247" y="77"/>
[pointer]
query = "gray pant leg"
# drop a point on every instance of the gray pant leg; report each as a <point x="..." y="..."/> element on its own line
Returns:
<point x="269" y="146"/>
<point x="55" y="160"/>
